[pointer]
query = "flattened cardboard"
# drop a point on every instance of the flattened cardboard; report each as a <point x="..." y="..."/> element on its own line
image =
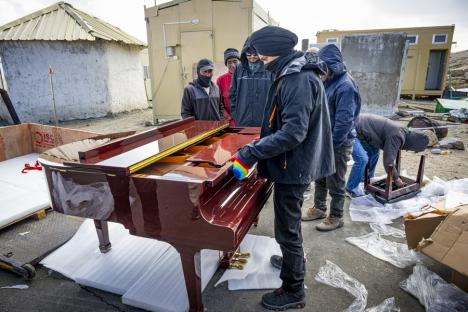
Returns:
<point x="449" y="242"/>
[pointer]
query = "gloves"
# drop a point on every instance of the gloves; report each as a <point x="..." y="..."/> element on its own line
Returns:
<point x="239" y="168"/>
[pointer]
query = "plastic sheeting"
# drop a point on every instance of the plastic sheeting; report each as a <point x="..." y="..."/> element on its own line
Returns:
<point x="258" y="273"/>
<point x="21" y="194"/>
<point x="332" y="275"/>
<point x="435" y="294"/>
<point x="367" y="209"/>
<point x="395" y="253"/>
<point x="387" y="230"/>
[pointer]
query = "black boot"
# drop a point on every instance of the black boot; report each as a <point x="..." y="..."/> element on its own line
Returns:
<point x="280" y="300"/>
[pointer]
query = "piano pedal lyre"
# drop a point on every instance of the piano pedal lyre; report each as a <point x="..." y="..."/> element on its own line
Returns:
<point x="239" y="254"/>
<point x="236" y="266"/>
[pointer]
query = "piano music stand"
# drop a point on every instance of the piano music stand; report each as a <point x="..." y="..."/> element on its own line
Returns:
<point x="384" y="190"/>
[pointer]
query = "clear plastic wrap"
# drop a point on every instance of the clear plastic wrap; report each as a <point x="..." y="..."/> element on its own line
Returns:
<point x="395" y="253"/>
<point x="388" y="305"/>
<point x="332" y="275"/>
<point x="387" y="230"/>
<point x="435" y="294"/>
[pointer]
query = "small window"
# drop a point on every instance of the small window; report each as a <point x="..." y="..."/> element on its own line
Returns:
<point x="332" y="40"/>
<point x="412" y="39"/>
<point x="439" y="38"/>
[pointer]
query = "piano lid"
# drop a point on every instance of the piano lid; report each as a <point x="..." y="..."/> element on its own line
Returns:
<point x="129" y="158"/>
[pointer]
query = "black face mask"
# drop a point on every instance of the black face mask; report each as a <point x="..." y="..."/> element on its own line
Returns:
<point x="204" y="81"/>
<point x="273" y="65"/>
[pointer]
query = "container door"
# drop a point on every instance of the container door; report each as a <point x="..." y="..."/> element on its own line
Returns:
<point x="435" y="69"/>
<point x="195" y="45"/>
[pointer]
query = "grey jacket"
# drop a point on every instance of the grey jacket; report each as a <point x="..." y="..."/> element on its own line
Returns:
<point x="389" y="136"/>
<point x="196" y="102"/>
<point x="296" y="144"/>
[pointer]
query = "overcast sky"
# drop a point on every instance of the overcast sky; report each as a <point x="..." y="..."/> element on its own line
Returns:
<point x="304" y="17"/>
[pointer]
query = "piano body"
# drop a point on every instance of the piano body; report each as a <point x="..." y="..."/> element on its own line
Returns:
<point x="173" y="183"/>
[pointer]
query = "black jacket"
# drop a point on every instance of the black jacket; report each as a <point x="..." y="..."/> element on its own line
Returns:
<point x="389" y="136"/>
<point x="196" y="102"/>
<point x="344" y="101"/>
<point x="248" y="92"/>
<point x="296" y="143"/>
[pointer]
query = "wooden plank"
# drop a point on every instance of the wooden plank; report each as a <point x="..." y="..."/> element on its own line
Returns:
<point x="38" y="215"/>
<point x="15" y="141"/>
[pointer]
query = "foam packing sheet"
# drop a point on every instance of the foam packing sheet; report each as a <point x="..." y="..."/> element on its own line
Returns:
<point x="258" y="273"/>
<point x="148" y="273"/>
<point x="21" y="194"/>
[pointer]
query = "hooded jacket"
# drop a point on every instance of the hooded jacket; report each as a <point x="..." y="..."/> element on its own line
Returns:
<point x="248" y="91"/>
<point x="344" y="101"/>
<point x="389" y="136"/>
<point x="296" y="144"/>
<point x="197" y="103"/>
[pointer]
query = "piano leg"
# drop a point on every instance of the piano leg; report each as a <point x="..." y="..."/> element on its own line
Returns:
<point x="191" y="264"/>
<point x="102" y="230"/>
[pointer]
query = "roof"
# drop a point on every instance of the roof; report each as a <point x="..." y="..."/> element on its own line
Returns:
<point x="61" y="21"/>
<point x="333" y="31"/>
<point x="453" y="104"/>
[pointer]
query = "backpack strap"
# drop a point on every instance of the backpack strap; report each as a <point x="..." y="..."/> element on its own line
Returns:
<point x="273" y="112"/>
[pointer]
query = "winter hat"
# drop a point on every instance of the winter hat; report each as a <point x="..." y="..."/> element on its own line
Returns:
<point x="204" y="64"/>
<point x="432" y="137"/>
<point x="273" y="41"/>
<point x="230" y="53"/>
<point x="415" y="141"/>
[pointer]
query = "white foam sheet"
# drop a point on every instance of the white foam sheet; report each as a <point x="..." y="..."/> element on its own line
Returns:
<point x="128" y="259"/>
<point x="258" y="273"/>
<point x="148" y="273"/>
<point x="77" y="254"/>
<point x="162" y="288"/>
<point x="21" y="193"/>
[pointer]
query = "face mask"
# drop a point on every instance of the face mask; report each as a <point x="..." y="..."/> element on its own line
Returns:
<point x="272" y="66"/>
<point x="254" y="66"/>
<point x="204" y="81"/>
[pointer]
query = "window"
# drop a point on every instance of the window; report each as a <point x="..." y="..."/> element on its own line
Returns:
<point x="412" y="39"/>
<point x="439" y="38"/>
<point x="332" y="40"/>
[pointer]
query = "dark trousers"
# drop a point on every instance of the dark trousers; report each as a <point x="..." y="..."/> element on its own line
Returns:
<point x="334" y="184"/>
<point x="288" y="199"/>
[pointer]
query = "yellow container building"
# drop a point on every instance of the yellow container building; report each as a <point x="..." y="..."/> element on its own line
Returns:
<point x="427" y="59"/>
<point x="181" y="32"/>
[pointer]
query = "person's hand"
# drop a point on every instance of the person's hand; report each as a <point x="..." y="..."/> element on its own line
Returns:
<point x="239" y="168"/>
<point x="399" y="182"/>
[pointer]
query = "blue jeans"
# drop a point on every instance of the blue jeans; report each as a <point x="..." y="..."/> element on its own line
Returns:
<point x="362" y="153"/>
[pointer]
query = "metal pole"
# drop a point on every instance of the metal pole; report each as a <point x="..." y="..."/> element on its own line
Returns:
<point x="51" y="72"/>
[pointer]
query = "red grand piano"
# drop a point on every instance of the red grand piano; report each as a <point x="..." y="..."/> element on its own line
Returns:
<point x="173" y="184"/>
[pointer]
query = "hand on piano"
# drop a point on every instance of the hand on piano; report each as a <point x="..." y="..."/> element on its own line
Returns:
<point x="239" y="168"/>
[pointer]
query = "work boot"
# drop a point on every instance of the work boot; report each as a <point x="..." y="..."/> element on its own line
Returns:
<point x="276" y="261"/>
<point x="330" y="224"/>
<point x="313" y="214"/>
<point x="280" y="300"/>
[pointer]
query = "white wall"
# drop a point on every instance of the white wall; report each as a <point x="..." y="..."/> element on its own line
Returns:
<point x="125" y="77"/>
<point x="91" y="79"/>
<point x="79" y="79"/>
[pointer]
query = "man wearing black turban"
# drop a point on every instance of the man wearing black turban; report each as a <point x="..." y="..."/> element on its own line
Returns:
<point x="295" y="148"/>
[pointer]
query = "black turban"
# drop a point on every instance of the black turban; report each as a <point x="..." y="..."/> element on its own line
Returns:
<point x="273" y="41"/>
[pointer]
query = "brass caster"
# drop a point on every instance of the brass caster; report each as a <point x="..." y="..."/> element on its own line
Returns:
<point x="240" y="260"/>
<point x="236" y="266"/>
<point x="242" y="254"/>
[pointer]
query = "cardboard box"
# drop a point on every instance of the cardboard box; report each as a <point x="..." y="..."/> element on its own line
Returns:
<point x="421" y="228"/>
<point x="449" y="242"/>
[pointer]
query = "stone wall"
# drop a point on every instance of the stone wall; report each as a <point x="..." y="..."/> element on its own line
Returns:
<point x="458" y="69"/>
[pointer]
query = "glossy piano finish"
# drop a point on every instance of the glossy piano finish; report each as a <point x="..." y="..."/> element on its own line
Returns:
<point x="188" y="198"/>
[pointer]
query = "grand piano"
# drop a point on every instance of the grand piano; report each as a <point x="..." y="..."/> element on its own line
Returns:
<point x="172" y="183"/>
